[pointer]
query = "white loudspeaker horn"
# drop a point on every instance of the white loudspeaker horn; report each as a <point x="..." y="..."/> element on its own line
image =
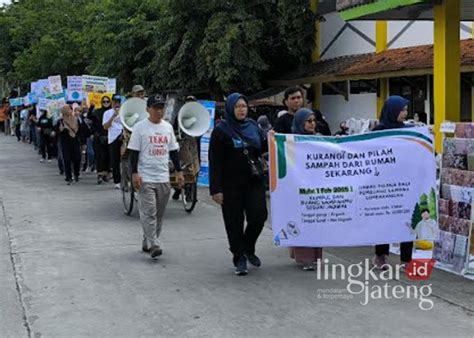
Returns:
<point x="194" y="119"/>
<point x="133" y="111"/>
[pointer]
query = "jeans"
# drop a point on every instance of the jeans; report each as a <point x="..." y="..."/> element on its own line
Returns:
<point x="90" y="153"/>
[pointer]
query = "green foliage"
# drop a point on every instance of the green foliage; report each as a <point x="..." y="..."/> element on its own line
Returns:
<point x="432" y="205"/>
<point x="424" y="201"/>
<point x="416" y="216"/>
<point x="215" y="45"/>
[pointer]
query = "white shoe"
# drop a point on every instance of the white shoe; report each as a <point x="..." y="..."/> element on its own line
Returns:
<point x="49" y="161"/>
<point x="42" y="160"/>
<point x="117" y="186"/>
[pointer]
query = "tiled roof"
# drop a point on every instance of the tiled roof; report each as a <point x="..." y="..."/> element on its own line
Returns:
<point x="417" y="60"/>
<point x="401" y="59"/>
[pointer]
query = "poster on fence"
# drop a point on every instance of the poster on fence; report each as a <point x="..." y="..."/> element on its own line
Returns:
<point x="94" y="84"/>
<point x="357" y="190"/>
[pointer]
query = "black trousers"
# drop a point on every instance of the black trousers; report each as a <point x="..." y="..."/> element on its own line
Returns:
<point x="101" y="151"/>
<point x="406" y="251"/>
<point x="239" y="205"/>
<point x="18" y="132"/>
<point x="46" y="146"/>
<point x="114" y="153"/>
<point x="72" y="156"/>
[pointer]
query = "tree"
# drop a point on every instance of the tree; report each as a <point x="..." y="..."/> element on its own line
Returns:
<point x="216" y="45"/>
<point x="416" y="216"/>
<point x="432" y="205"/>
<point x="424" y="201"/>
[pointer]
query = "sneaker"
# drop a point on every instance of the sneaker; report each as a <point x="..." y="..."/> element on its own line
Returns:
<point x="69" y="182"/>
<point x="42" y="160"/>
<point x="254" y="260"/>
<point x="117" y="186"/>
<point x="61" y="172"/>
<point x="308" y="267"/>
<point x="76" y="178"/>
<point x="176" y="194"/>
<point x="380" y="262"/>
<point x="241" y="267"/>
<point x="49" y="161"/>
<point x="155" y="251"/>
<point x="145" y="246"/>
<point x="99" y="180"/>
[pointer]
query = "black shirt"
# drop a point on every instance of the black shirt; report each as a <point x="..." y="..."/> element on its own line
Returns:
<point x="228" y="166"/>
<point x="46" y="125"/>
<point x="284" y="123"/>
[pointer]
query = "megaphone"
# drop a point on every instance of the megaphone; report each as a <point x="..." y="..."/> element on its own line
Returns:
<point x="194" y="119"/>
<point x="133" y="111"/>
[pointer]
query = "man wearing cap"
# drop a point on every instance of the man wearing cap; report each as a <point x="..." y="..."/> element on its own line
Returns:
<point x="151" y="146"/>
<point x="113" y="125"/>
<point x="138" y="91"/>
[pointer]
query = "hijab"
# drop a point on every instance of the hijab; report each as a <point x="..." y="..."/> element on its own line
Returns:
<point x="390" y="112"/>
<point x="301" y="116"/>
<point x="246" y="130"/>
<point x="70" y="121"/>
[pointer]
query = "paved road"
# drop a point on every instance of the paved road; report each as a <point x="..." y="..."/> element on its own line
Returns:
<point x="71" y="265"/>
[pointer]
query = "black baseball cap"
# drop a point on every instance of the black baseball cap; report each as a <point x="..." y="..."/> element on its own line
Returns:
<point x="117" y="98"/>
<point x="156" y="100"/>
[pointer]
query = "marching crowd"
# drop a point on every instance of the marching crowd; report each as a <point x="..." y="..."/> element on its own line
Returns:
<point x="89" y="139"/>
<point x="82" y="139"/>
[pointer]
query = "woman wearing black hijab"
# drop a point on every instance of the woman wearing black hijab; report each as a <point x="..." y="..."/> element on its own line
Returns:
<point x="101" y="143"/>
<point x="394" y="113"/>
<point x="234" y="144"/>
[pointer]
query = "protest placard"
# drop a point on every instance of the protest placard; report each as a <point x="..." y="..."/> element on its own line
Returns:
<point x="112" y="86"/>
<point x="94" y="84"/>
<point x="96" y="98"/>
<point x="356" y="190"/>
<point x="55" y="85"/>
<point x="16" y="102"/>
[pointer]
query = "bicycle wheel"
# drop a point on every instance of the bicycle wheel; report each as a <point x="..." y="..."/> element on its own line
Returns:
<point x="189" y="196"/>
<point x="128" y="193"/>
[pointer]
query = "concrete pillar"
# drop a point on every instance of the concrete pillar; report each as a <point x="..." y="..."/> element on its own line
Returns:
<point x="447" y="65"/>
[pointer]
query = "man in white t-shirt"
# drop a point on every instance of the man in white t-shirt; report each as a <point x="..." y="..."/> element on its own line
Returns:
<point x="427" y="229"/>
<point x="151" y="146"/>
<point x="113" y="125"/>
